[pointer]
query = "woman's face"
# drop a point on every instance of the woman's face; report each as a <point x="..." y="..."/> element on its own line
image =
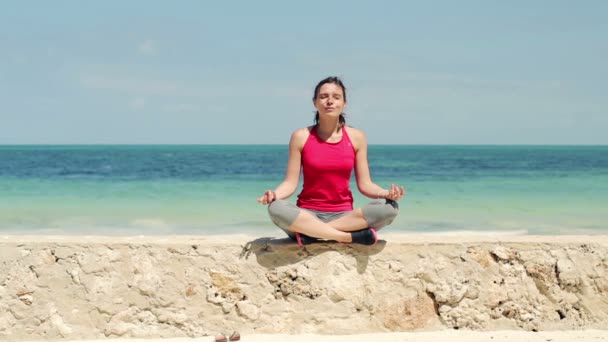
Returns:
<point x="330" y="100"/>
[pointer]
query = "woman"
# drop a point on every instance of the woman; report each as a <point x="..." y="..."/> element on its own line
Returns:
<point x="327" y="152"/>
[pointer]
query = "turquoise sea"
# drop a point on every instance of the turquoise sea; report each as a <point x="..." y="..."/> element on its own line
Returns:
<point x="211" y="189"/>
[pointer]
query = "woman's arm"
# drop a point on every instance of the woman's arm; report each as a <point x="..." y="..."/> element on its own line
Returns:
<point x="364" y="180"/>
<point x="292" y="175"/>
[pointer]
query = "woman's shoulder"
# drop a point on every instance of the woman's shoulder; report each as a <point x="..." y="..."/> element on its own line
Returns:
<point x="300" y="135"/>
<point x="355" y="134"/>
<point x="302" y="132"/>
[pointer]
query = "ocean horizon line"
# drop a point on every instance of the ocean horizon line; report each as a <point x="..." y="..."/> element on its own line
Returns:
<point x="285" y="144"/>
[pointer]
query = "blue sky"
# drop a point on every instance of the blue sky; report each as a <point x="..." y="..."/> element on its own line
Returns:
<point x="202" y="72"/>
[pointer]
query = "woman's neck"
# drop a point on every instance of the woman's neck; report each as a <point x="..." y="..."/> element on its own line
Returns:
<point x="327" y="128"/>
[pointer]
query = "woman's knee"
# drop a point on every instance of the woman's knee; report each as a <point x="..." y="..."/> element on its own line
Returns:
<point x="283" y="213"/>
<point x="390" y="210"/>
<point x="274" y="208"/>
<point x="380" y="213"/>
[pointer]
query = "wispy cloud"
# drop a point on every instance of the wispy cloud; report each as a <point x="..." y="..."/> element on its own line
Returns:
<point x="19" y="59"/>
<point x="138" y="103"/>
<point x="51" y="51"/>
<point x="446" y="80"/>
<point x="148" y="47"/>
<point x="141" y="86"/>
<point x="130" y="85"/>
<point x="402" y="69"/>
<point x="181" y="108"/>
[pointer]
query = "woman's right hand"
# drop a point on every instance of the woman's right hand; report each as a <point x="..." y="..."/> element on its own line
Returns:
<point x="395" y="193"/>
<point x="269" y="197"/>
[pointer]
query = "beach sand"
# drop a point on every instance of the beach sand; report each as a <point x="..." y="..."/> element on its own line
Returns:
<point x="436" y="336"/>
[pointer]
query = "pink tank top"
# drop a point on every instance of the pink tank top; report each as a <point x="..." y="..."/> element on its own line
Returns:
<point x="327" y="168"/>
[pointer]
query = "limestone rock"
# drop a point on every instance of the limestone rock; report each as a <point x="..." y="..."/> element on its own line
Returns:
<point x="57" y="322"/>
<point x="503" y="253"/>
<point x="567" y="274"/>
<point x="115" y="287"/>
<point x="481" y="256"/>
<point x="248" y="310"/>
<point x="170" y="317"/>
<point x="288" y="282"/>
<point x="26" y="298"/>
<point x="408" y="314"/>
<point x="449" y="291"/>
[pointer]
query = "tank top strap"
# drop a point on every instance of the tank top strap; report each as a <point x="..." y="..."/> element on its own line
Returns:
<point x="345" y="134"/>
<point x="346" y="139"/>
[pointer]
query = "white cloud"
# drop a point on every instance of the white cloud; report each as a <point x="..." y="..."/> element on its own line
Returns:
<point x="148" y="47"/>
<point x="150" y="87"/>
<point x="182" y="107"/>
<point x="130" y="85"/>
<point x="19" y="59"/>
<point x="138" y="103"/>
<point x="51" y="51"/>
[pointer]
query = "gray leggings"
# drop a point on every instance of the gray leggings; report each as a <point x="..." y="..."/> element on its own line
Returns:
<point x="378" y="213"/>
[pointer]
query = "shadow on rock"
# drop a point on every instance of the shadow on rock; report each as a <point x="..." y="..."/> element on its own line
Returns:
<point x="276" y="252"/>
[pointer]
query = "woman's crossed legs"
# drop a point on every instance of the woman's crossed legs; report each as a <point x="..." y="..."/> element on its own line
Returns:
<point x="339" y="226"/>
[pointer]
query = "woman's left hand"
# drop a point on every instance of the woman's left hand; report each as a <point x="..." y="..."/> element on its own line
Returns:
<point x="395" y="193"/>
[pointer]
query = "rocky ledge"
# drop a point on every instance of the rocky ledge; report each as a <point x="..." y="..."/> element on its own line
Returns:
<point x="97" y="287"/>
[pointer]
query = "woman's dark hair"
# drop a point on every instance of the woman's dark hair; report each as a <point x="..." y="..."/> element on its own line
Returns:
<point x="334" y="80"/>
